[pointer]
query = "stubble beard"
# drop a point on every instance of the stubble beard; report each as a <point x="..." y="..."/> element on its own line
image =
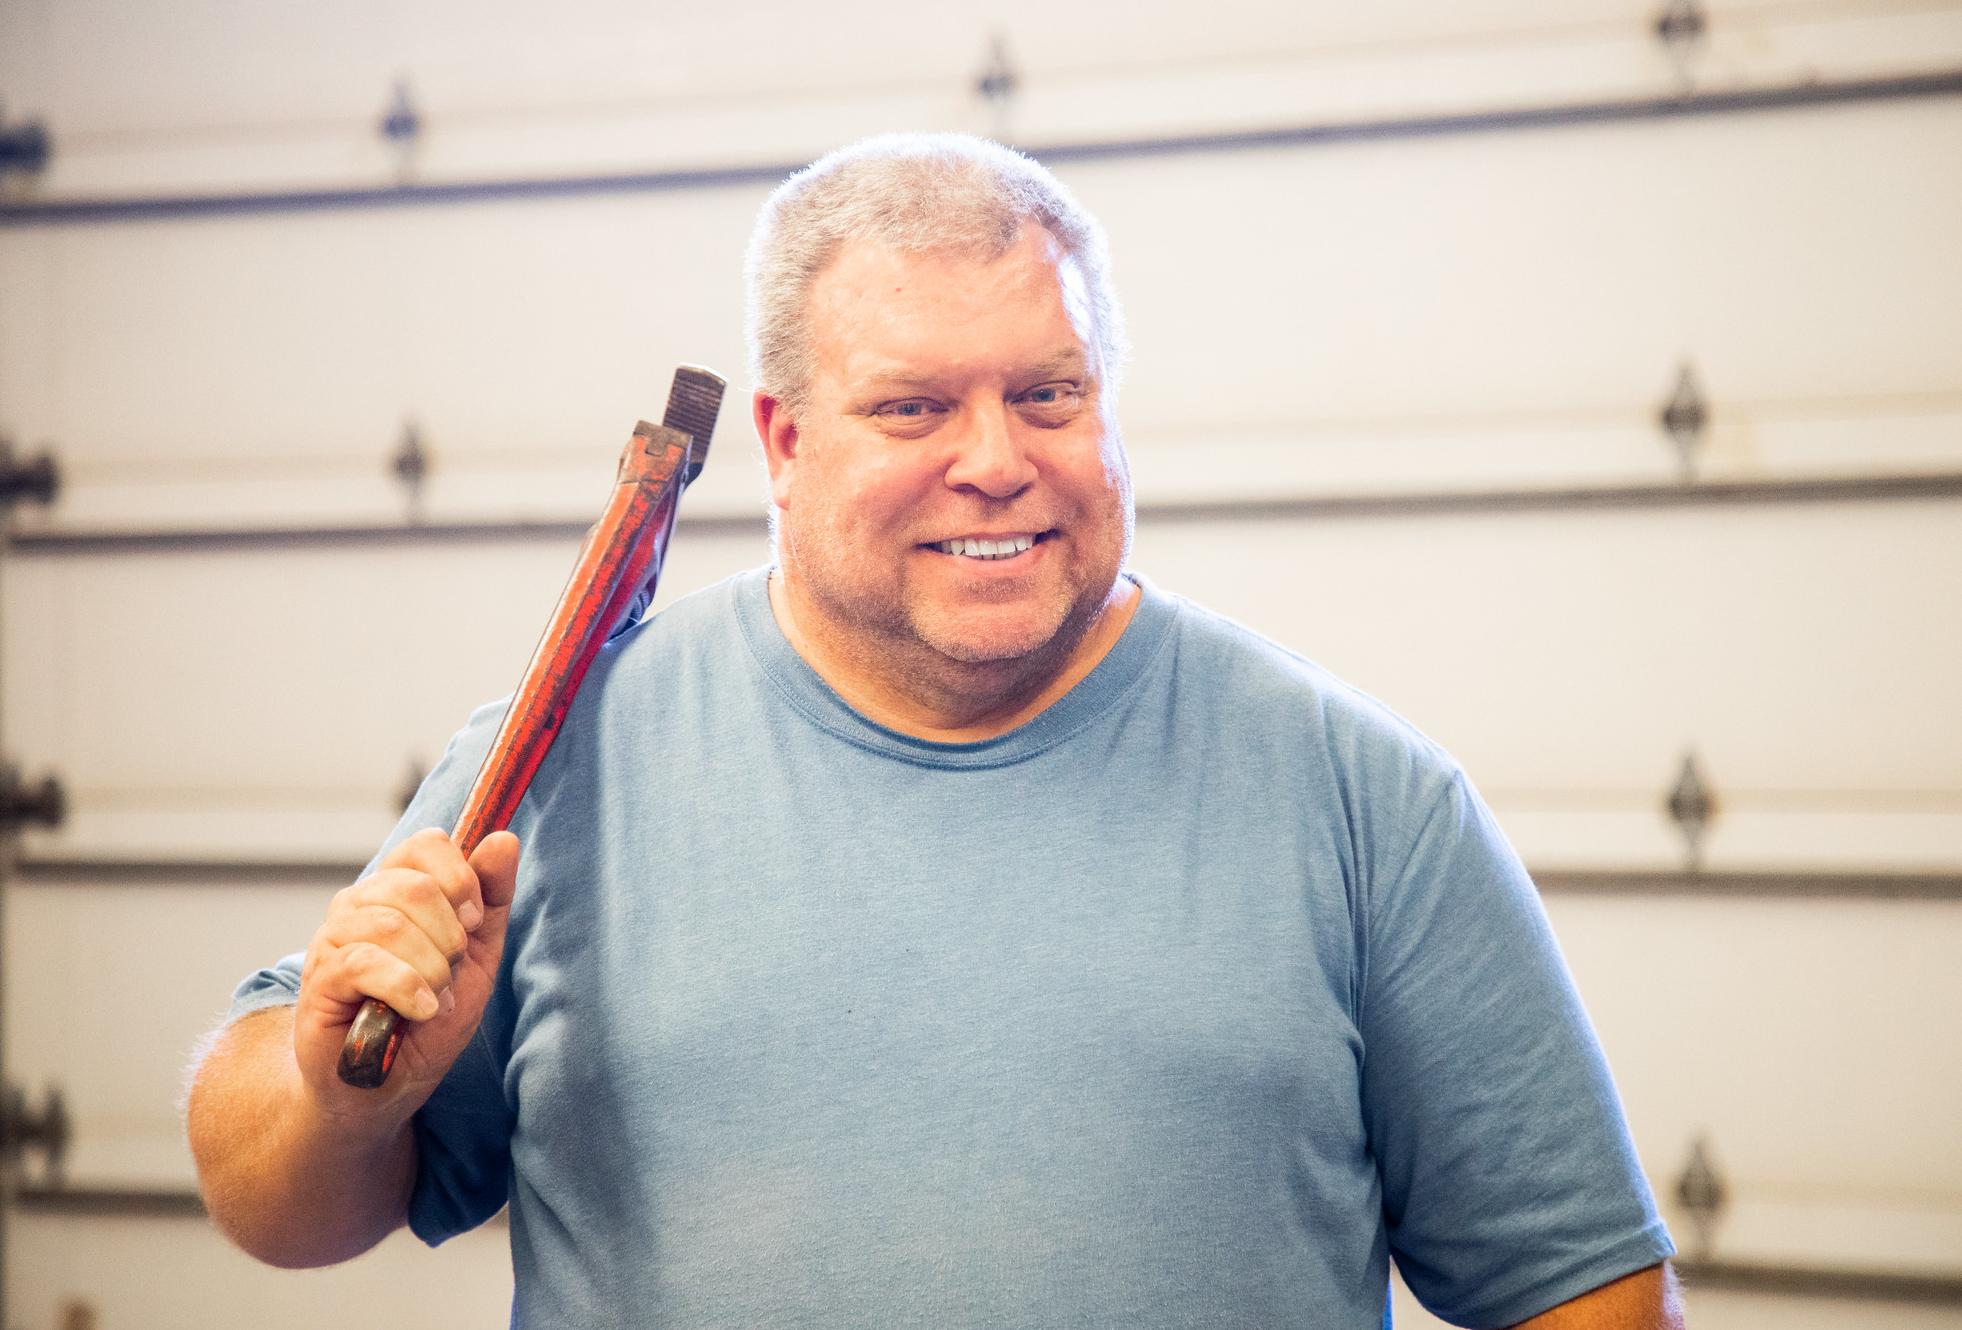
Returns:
<point x="900" y="634"/>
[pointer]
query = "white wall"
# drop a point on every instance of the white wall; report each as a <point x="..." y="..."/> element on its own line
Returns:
<point x="1484" y="311"/>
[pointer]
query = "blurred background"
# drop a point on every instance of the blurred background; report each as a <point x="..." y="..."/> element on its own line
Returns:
<point x="1583" y="379"/>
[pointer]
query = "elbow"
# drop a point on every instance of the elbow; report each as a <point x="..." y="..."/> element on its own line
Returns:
<point x="281" y="1221"/>
<point x="288" y="1241"/>
<point x="279" y="1186"/>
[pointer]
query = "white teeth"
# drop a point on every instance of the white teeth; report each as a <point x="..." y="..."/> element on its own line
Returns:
<point x="986" y="549"/>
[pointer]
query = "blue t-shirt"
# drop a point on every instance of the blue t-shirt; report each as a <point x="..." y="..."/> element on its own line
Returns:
<point x="1187" y="1003"/>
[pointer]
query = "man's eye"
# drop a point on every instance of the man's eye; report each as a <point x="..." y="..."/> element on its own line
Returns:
<point x="1052" y="394"/>
<point x="911" y="409"/>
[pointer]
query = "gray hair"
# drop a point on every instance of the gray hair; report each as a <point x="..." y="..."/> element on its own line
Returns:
<point x="923" y="193"/>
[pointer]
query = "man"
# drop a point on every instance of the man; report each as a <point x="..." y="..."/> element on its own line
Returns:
<point x="970" y="933"/>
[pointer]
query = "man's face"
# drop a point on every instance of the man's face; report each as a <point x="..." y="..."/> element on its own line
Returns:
<point x="955" y="490"/>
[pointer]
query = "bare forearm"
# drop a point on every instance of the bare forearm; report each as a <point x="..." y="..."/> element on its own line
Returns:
<point x="1646" y="1300"/>
<point x="288" y="1184"/>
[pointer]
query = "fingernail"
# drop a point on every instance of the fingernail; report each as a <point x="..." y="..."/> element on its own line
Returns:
<point x="428" y="1004"/>
<point x="470" y="914"/>
<point x="446" y="1002"/>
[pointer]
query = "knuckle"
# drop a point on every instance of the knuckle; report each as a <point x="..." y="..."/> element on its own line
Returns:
<point x="366" y="891"/>
<point x="381" y="972"/>
<point x="423" y="890"/>
<point x="418" y="847"/>
<point x="461" y="884"/>
<point x="390" y="925"/>
<point x="434" y="911"/>
<point x="432" y="971"/>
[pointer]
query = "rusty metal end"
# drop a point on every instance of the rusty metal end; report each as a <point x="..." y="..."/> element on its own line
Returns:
<point x="693" y="404"/>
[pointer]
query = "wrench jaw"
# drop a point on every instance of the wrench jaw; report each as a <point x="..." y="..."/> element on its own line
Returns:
<point x="669" y="455"/>
<point x="658" y="455"/>
<point x="694" y="401"/>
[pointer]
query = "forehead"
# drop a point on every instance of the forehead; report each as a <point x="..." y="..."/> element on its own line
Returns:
<point x="880" y="310"/>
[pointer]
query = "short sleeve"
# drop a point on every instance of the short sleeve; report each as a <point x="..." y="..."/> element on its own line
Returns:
<point x="463" y="1147"/>
<point x="1510" y="1184"/>
<point x="275" y="986"/>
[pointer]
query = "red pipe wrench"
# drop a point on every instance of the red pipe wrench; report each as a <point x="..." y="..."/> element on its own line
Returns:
<point x="613" y="581"/>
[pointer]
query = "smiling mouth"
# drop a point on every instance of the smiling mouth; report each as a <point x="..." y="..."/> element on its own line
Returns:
<point x="998" y="547"/>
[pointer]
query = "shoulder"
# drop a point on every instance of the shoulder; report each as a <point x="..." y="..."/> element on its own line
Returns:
<point x="687" y="638"/>
<point x="695" y="619"/>
<point x="696" y="636"/>
<point x="1251" y="685"/>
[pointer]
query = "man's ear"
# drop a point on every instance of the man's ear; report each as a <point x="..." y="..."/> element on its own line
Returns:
<point x="779" y="435"/>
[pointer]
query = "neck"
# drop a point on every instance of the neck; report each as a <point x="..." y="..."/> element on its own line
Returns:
<point x="951" y="701"/>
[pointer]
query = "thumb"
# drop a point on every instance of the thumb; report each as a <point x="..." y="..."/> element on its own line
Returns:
<point x="495" y="861"/>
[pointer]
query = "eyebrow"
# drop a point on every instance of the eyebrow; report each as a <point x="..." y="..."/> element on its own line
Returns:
<point x="1072" y="360"/>
<point x="891" y="379"/>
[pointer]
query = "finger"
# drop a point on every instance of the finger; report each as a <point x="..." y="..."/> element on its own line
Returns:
<point x="395" y="933"/>
<point x="365" y="970"/>
<point x="495" y="865"/>
<point x="429" y="848"/>
<point x="417" y="896"/>
<point x="433" y="852"/>
<point x="496" y="862"/>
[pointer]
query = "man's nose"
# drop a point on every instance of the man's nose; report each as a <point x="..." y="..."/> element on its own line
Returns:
<point x="990" y="456"/>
